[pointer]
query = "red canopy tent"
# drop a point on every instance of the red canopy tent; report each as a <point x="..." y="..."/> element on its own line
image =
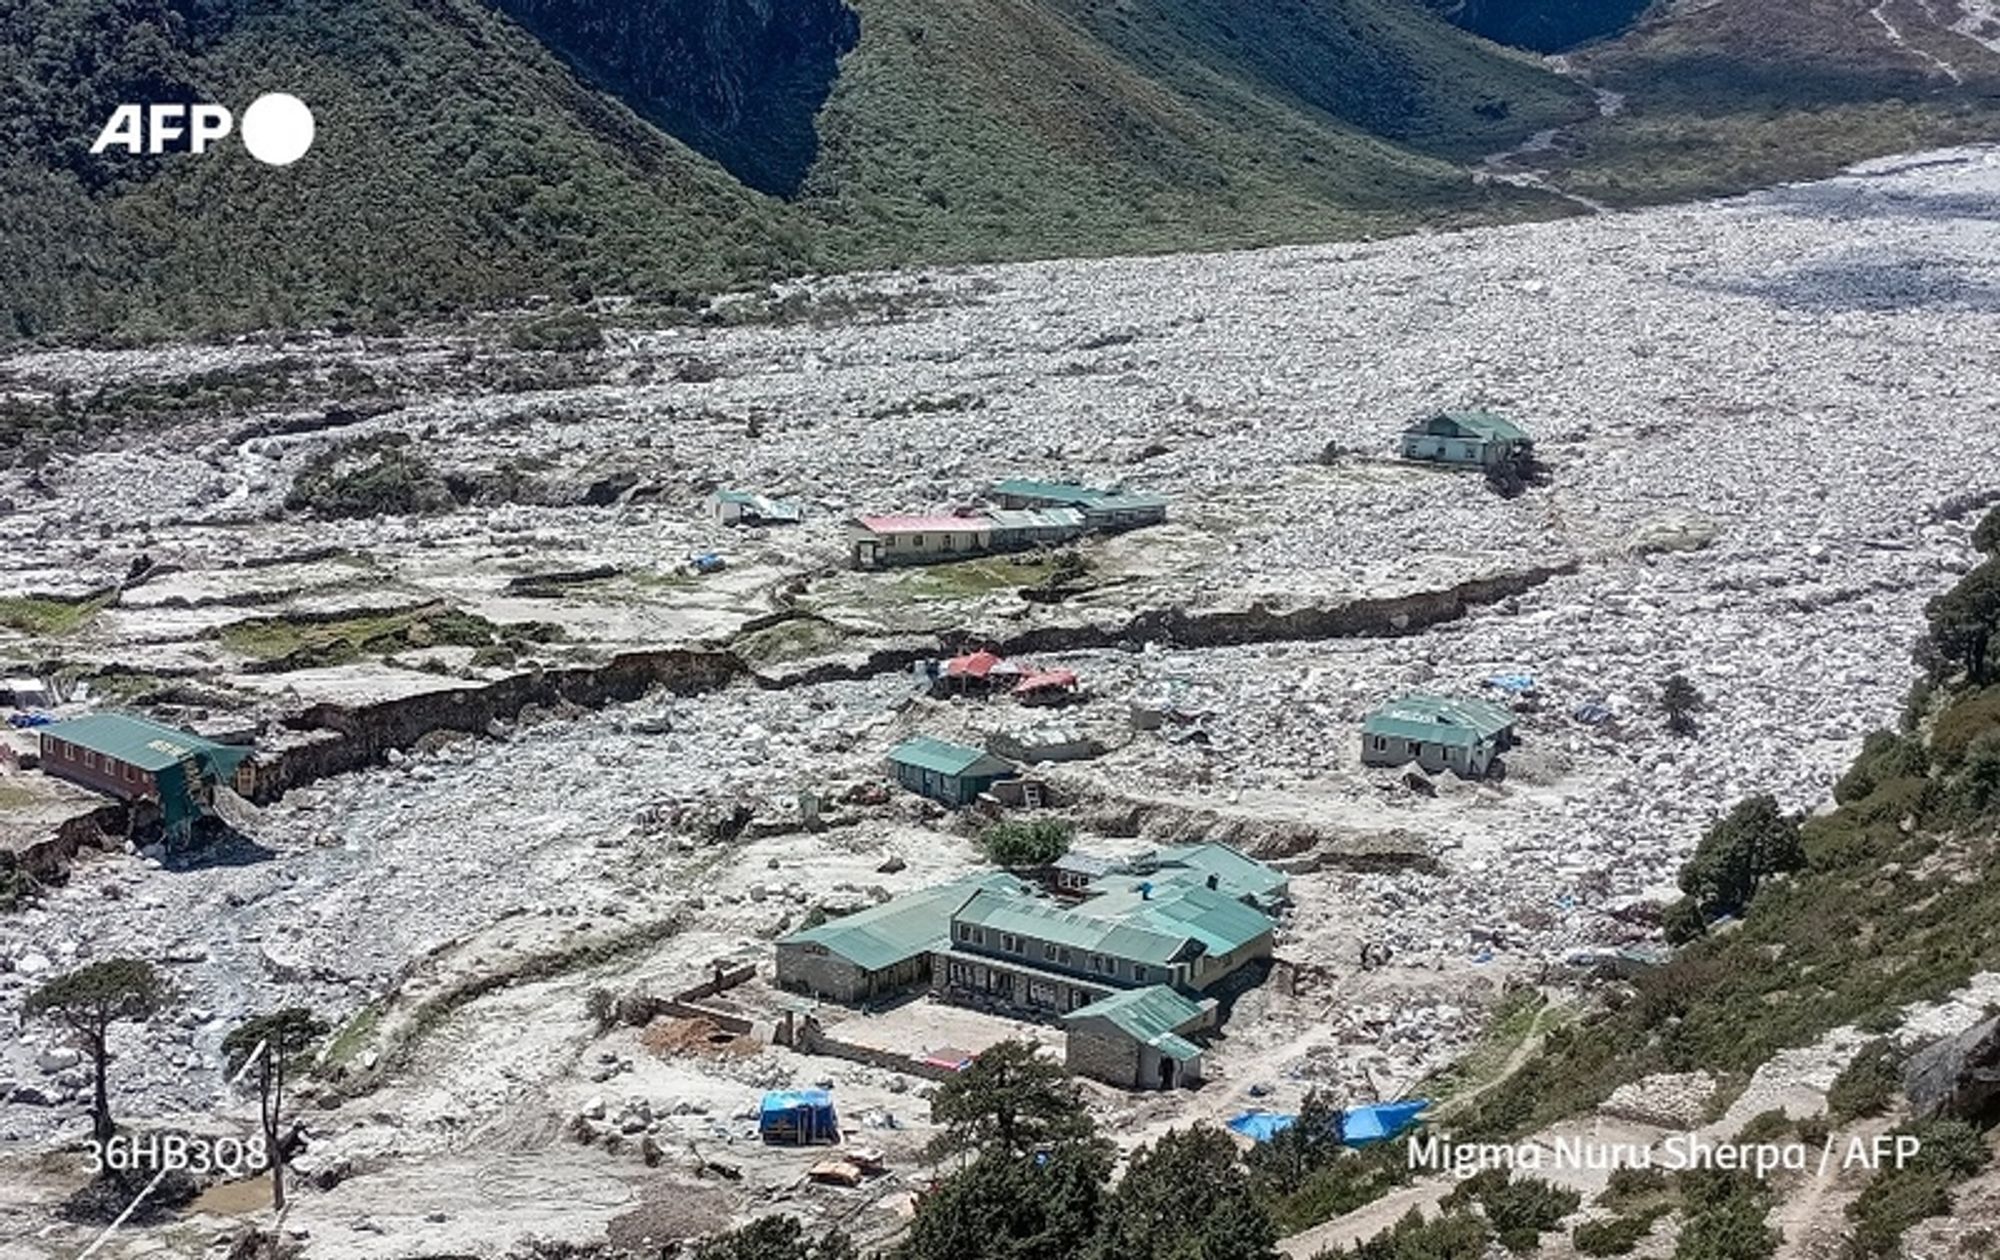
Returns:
<point x="1047" y="680"/>
<point x="977" y="665"/>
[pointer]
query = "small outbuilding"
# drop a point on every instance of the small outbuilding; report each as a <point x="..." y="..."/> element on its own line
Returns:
<point x="1072" y="874"/>
<point x="1138" y="1038"/>
<point x="1467" y="439"/>
<point x="798" y="1117"/>
<point x="951" y="774"/>
<point x="743" y="507"/>
<point x="1439" y="733"/>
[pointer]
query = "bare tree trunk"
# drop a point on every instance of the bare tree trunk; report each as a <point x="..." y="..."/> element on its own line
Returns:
<point x="277" y="1150"/>
<point x="100" y="1100"/>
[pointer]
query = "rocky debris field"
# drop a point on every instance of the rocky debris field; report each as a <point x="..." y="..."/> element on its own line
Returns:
<point x="1765" y="421"/>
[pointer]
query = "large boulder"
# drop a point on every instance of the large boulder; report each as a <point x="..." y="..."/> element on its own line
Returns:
<point x="1958" y="1077"/>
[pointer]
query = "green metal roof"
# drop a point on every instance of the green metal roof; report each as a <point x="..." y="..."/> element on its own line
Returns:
<point x="902" y="927"/>
<point x="1481" y="424"/>
<point x="1172" y="907"/>
<point x="146" y="744"/>
<point x="1079" y="929"/>
<point x="1152" y="1016"/>
<point x="1453" y="720"/>
<point x="942" y="757"/>
<point x="1130" y="918"/>
<point x="1127" y="502"/>
<point x="1236" y="873"/>
<point x="1073" y="495"/>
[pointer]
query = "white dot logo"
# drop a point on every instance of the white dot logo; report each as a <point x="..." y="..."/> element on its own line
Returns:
<point x="278" y="129"/>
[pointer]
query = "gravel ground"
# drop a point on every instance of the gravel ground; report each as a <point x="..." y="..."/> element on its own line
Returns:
<point x="1798" y="378"/>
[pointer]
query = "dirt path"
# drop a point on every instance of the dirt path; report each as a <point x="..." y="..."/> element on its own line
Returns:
<point x="1896" y="37"/>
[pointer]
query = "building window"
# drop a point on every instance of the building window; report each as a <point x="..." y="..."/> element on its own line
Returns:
<point x="917" y="541"/>
<point x="1010" y="942"/>
<point x="89" y="760"/>
<point x="1138" y="973"/>
<point x="1381" y="743"/>
<point x="964" y="932"/>
<point x="1062" y="956"/>
<point x="1048" y="952"/>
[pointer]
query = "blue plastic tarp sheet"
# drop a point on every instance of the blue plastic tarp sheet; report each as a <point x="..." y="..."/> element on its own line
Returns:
<point x="1378" y="1122"/>
<point x="1261" y="1126"/>
<point x="1519" y="684"/>
<point x="782" y="1106"/>
<point x="1360" y="1126"/>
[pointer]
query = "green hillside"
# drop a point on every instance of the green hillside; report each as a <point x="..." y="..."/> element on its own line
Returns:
<point x="464" y="160"/>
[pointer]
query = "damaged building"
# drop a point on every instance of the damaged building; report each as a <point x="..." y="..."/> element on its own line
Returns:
<point x="1439" y="733"/>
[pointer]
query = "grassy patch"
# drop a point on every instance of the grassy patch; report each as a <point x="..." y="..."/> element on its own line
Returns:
<point x="353" y="1038"/>
<point x="970" y="579"/>
<point x="1514" y="1025"/>
<point x="297" y="643"/>
<point x="798" y="639"/>
<point x="49" y="618"/>
<point x="14" y="796"/>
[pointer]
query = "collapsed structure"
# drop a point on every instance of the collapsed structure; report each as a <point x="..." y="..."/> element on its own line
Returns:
<point x="745" y="507"/>
<point x="1129" y="968"/>
<point x="137" y="760"/>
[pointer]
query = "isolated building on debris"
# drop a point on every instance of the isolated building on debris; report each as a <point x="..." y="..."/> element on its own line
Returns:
<point x="1439" y="733"/>
<point x="134" y="759"/>
<point x="1469" y="439"/>
<point x="742" y="507"/>
<point x="950" y="774"/>
<point x="883" y="949"/>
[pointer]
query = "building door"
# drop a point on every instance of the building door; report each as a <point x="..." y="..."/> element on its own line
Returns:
<point x="1166" y="1072"/>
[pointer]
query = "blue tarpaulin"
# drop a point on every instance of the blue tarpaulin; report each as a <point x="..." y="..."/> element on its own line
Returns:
<point x="1262" y="1126"/>
<point x="1378" y="1122"/>
<point x="1360" y="1126"/>
<point x="1519" y="684"/>
<point x="798" y="1115"/>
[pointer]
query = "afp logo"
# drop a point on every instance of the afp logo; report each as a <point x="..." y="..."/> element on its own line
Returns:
<point x="277" y="128"/>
